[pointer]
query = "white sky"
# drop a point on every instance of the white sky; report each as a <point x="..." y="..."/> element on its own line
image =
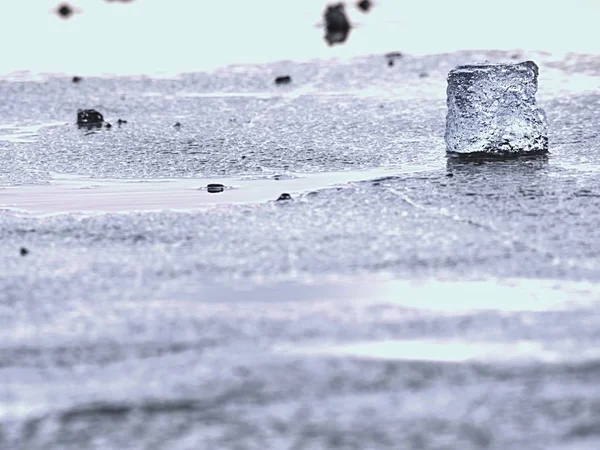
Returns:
<point x="148" y="36"/>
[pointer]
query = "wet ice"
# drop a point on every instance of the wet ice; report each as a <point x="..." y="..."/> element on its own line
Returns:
<point x="492" y="110"/>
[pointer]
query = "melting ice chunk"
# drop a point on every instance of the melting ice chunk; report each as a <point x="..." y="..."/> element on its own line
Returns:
<point x="492" y="110"/>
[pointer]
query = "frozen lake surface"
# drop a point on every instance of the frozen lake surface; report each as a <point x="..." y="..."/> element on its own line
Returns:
<point x="400" y="300"/>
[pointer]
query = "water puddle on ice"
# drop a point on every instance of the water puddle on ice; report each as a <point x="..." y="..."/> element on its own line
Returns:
<point x="433" y="298"/>
<point x="456" y="351"/>
<point x="458" y="297"/>
<point x="80" y="194"/>
<point x="441" y="351"/>
<point x="22" y="133"/>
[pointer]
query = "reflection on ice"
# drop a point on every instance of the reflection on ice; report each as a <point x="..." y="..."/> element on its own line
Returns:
<point x="79" y="194"/>
<point x="22" y="133"/>
<point x="442" y="351"/>
<point x="466" y="296"/>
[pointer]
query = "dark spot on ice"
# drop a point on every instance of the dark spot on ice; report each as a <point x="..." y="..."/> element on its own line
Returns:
<point x="89" y="118"/>
<point x="583" y="430"/>
<point x="392" y="57"/>
<point x="450" y="174"/>
<point x="95" y="410"/>
<point x="215" y="188"/>
<point x="108" y="125"/>
<point x="243" y="372"/>
<point x="285" y="79"/>
<point x="337" y="25"/>
<point x="24" y="251"/>
<point x="244" y="156"/>
<point x="76" y="79"/>
<point x="177" y="125"/>
<point x="285" y="196"/>
<point x="364" y="5"/>
<point x="585" y="193"/>
<point x="423" y="75"/>
<point x="121" y="122"/>
<point x="65" y="11"/>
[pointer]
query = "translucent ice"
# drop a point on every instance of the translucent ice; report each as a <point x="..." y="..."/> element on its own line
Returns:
<point x="492" y="110"/>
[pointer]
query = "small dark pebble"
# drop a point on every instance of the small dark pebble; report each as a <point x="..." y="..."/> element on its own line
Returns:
<point x="335" y="18"/>
<point x="337" y="25"/>
<point x="177" y="125"/>
<point x="285" y="196"/>
<point x="76" y="79"/>
<point x="394" y="55"/>
<point x="65" y="11"/>
<point x="285" y="79"/>
<point x="244" y="156"/>
<point x="121" y="122"/>
<point x="364" y="5"/>
<point x="215" y="188"/>
<point x="24" y="251"/>
<point x="450" y="175"/>
<point x="423" y="75"/>
<point x="89" y="118"/>
<point x="108" y="125"/>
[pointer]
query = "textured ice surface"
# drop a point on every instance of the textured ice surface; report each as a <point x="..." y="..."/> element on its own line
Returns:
<point x="492" y="109"/>
<point x="157" y="329"/>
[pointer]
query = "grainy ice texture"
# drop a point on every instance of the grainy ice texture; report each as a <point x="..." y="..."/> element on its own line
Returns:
<point x="492" y="110"/>
<point x="441" y="305"/>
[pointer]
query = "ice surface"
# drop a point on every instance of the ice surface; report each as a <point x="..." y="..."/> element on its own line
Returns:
<point x="182" y="315"/>
<point x="492" y="110"/>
